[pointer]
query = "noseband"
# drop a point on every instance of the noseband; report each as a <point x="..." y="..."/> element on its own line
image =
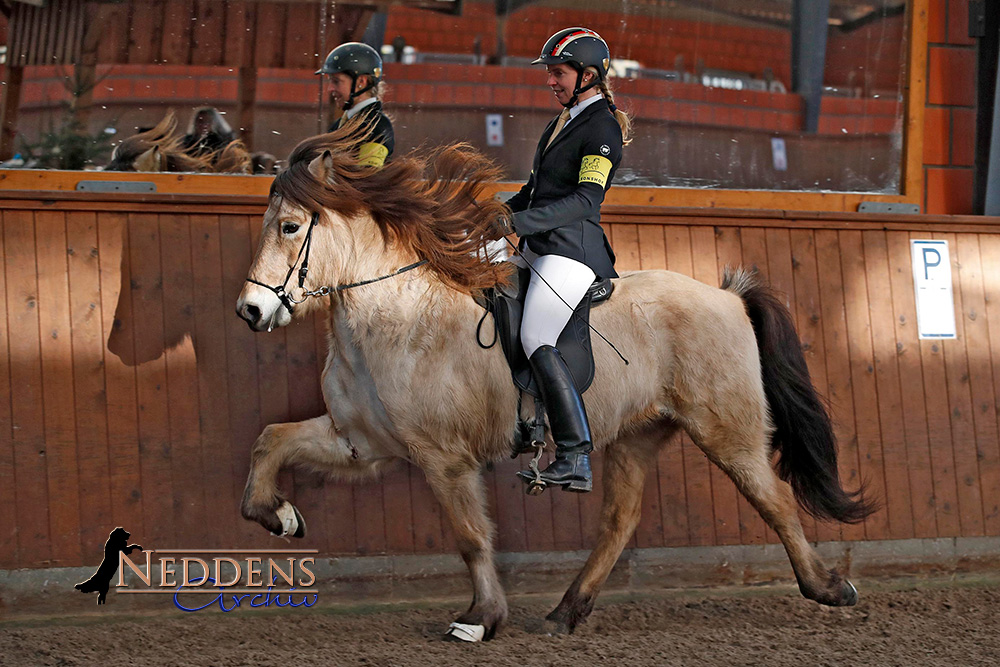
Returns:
<point x="286" y="299"/>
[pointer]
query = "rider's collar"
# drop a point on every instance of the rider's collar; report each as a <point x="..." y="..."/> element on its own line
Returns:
<point x="358" y="106"/>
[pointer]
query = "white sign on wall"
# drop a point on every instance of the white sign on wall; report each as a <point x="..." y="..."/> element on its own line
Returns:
<point x="778" y="154"/>
<point x="494" y="129"/>
<point x="932" y="284"/>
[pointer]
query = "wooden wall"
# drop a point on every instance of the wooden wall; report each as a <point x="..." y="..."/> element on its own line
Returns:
<point x="130" y="393"/>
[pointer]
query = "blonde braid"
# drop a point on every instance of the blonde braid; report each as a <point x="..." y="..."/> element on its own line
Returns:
<point x="623" y="120"/>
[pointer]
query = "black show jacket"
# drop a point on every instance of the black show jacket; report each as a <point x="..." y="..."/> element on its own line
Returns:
<point x="558" y="211"/>
<point x="382" y="132"/>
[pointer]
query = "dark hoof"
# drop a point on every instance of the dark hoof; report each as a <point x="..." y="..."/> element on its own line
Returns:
<point x="850" y="595"/>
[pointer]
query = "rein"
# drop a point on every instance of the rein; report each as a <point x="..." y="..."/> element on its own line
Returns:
<point x="286" y="299"/>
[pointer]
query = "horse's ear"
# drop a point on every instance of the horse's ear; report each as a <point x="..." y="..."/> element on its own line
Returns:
<point x="322" y="167"/>
<point x="148" y="161"/>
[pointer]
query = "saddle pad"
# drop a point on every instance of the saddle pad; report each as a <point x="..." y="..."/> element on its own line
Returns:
<point x="505" y="302"/>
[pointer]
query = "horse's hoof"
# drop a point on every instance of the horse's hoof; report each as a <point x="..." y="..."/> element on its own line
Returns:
<point x="850" y="594"/>
<point x="461" y="632"/>
<point x="292" y="522"/>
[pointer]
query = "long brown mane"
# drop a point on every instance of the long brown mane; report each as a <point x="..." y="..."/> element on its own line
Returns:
<point x="233" y="159"/>
<point x="165" y="137"/>
<point x="427" y="202"/>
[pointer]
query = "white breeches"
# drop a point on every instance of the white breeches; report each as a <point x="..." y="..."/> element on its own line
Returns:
<point x="545" y="313"/>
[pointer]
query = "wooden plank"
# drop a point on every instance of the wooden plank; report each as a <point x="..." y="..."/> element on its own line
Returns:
<point x="899" y="503"/>
<point x="193" y="524"/>
<point x="208" y="35"/>
<point x="301" y="45"/>
<point x="28" y="436"/>
<point x="863" y="386"/>
<point x="369" y="519"/>
<point x="156" y="457"/>
<point x="427" y="514"/>
<point x="144" y="21"/>
<point x="989" y="247"/>
<point x="241" y="358"/>
<point x="512" y="533"/>
<point x="111" y="23"/>
<point x="8" y="495"/>
<point x="911" y="384"/>
<point x="939" y="434"/>
<point x="725" y="496"/>
<point x="174" y="35"/>
<point x="119" y="372"/>
<point x="212" y="313"/>
<point x="239" y="35"/>
<point x="754" y="252"/>
<point x="980" y="363"/>
<point x="90" y="398"/>
<point x="809" y="324"/>
<point x="779" y="271"/>
<point x="269" y="40"/>
<point x="697" y="480"/>
<point x="970" y="499"/>
<point x="838" y="369"/>
<point x="55" y="337"/>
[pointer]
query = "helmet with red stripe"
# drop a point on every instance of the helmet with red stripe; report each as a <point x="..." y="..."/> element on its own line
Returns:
<point x="580" y="48"/>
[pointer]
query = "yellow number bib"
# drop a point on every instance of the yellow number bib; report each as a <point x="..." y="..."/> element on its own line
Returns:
<point x="595" y="169"/>
<point x="372" y="154"/>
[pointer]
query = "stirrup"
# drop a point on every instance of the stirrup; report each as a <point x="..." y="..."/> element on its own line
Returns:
<point x="536" y="485"/>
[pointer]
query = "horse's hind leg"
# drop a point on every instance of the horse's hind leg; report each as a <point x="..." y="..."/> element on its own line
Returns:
<point x="312" y="444"/>
<point x="626" y="464"/>
<point x="458" y="486"/>
<point x="745" y="458"/>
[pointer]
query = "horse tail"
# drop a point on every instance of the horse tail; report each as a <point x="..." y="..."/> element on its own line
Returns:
<point x="803" y="432"/>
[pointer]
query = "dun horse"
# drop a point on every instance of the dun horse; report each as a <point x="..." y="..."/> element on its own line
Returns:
<point x="159" y="149"/>
<point x="406" y="379"/>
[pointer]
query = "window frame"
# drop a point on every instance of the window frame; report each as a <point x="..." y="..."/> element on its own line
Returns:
<point x="912" y="182"/>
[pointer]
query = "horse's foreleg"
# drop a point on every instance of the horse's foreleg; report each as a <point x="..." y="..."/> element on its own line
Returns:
<point x="313" y="445"/>
<point x="626" y="464"/>
<point x="750" y="469"/>
<point x="458" y="486"/>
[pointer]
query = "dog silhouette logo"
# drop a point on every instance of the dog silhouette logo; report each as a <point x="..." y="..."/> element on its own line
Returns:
<point x="101" y="581"/>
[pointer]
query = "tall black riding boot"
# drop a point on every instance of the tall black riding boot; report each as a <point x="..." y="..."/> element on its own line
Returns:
<point x="567" y="420"/>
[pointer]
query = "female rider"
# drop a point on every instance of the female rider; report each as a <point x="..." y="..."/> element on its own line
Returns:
<point x="557" y="217"/>
<point x="355" y="70"/>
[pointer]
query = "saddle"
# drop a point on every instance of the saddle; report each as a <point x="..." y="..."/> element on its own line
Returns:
<point x="506" y="303"/>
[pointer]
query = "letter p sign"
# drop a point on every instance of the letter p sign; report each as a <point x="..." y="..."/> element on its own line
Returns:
<point x="932" y="258"/>
<point x="932" y="285"/>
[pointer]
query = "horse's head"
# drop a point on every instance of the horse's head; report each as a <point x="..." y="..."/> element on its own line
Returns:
<point x="351" y="222"/>
<point x="156" y="149"/>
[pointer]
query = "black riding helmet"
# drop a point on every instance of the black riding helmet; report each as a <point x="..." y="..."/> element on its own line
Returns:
<point x="354" y="59"/>
<point x="580" y="48"/>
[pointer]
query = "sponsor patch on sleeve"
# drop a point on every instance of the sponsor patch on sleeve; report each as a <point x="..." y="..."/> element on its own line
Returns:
<point x="372" y="154"/>
<point x="595" y="169"/>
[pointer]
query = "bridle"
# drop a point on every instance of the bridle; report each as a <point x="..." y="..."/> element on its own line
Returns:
<point x="289" y="302"/>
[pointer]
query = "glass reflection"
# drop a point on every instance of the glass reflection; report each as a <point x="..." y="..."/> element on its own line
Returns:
<point x="774" y="94"/>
